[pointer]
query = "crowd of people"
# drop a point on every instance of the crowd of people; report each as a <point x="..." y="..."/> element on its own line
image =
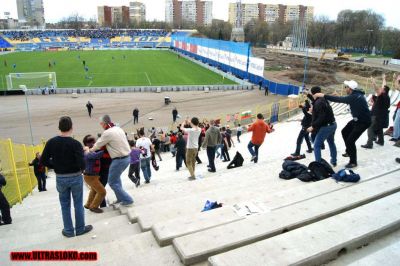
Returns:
<point x="90" y="33"/>
<point x="320" y="122"/>
<point x="102" y="161"/>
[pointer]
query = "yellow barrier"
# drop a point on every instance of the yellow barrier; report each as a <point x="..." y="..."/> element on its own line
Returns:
<point x="14" y="165"/>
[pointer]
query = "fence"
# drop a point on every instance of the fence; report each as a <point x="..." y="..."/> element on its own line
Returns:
<point x="14" y="165"/>
<point x="272" y="112"/>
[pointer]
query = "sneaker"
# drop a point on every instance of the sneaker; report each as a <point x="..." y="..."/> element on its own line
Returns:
<point x="392" y="139"/>
<point x="127" y="204"/>
<point x="345" y="155"/>
<point x="66" y="235"/>
<point x="88" y="228"/>
<point x="115" y="202"/>
<point x="137" y="182"/>
<point x="96" y="210"/>
<point x="351" y="165"/>
<point x="147" y="182"/>
<point x="366" y="146"/>
<point x="253" y="158"/>
<point x="191" y="178"/>
<point x="211" y="171"/>
<point x="310" y="150"/>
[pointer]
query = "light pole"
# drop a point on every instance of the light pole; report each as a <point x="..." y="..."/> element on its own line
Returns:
<point x="369" y="35"/>
<point x="25" y="90"/>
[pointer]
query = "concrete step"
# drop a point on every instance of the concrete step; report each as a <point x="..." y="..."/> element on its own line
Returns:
<point x="234" y="179"/>
<point x="49" y="239"/>
<point x="389" y="256"/>
<point x="162" y="211"/>
<point x="322" y="241"/>
<point x="163" y="256"/>
<point x="165" y="231"/>
<point x="244" y="232"/>
<point x="376" y="246"/>
<point x="150" y="214"/>
<point x="53" y="221"/>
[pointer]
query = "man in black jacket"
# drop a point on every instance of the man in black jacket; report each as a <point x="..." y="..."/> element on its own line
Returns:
<point x="180" y="147"/>
<point x="135" y="115"/>
<point x="324" y="125"/>
<point x="65" y="155"/>
<point x="89" y="107"/>
<point x="304" y="134"/>
<point x="4" y="205"/>
<point x="40" y="172"/>
<point x="174" y="114"/>
<point x="361" y="118"/>
<point x="379" y="115"/>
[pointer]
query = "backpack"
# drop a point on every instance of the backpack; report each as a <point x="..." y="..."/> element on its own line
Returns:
<point x="306" y="177"/>
<point x="320" y="170"/>
<point x="346" y="175"/>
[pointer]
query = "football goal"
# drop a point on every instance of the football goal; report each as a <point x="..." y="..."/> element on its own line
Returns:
<point x="32" y="80"/>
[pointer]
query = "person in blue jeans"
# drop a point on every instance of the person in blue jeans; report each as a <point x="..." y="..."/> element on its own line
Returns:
<point x="116" y="143"/>
<point x="146" y="146"/>
<point x="324" y="125"/>
<point x="65" y="155"/>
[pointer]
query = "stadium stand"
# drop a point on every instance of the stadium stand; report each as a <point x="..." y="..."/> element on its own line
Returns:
<point x="78" y="39"/>
<point x="4" y="43"/>
<point x="299" y="223"/>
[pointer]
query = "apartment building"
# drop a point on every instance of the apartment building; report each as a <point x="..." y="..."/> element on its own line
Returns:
<point x="137" y="12"/>
<point x="270" y="13"/>
<point x="183" y="12"/>
<point x="109" y="16"/>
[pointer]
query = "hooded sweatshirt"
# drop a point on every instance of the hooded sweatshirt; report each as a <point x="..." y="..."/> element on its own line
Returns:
<point x="358" y="105"/>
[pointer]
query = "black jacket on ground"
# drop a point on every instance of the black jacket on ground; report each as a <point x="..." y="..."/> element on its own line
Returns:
<point x="322" y="114"/>
<point x="380" y="109"/>
<point x="358" y="105"/>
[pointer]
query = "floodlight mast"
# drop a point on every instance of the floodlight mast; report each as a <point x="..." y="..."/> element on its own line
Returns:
<point x="25" y="90"/>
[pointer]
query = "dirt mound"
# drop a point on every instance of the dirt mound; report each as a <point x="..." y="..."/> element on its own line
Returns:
<point x="314" y="77"/>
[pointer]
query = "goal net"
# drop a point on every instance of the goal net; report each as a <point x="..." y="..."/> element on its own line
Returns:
<point x="32" y="80"/>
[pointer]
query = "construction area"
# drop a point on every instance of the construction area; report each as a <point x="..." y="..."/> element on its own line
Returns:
<point x="322" y="69"/>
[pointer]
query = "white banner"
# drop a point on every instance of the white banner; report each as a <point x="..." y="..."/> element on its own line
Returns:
<point x="256" y="65"/>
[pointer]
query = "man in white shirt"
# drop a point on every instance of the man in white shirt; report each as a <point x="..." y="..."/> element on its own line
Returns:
<point x="145" y="145"/>
<point x="117" y="145"/>
<point x="192" y="144"/>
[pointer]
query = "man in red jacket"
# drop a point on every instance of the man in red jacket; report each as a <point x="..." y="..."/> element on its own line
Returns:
<point x="259" y="129"/>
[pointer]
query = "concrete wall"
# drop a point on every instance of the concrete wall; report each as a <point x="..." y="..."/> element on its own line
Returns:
<point x="145" y="89"/>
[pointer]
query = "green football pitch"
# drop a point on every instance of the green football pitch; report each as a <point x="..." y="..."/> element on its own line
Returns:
<point x="110" y="68"/>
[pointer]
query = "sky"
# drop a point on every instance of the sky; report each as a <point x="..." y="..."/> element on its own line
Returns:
<point x="57" y="9"/>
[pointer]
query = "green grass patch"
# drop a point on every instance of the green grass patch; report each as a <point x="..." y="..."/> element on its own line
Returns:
<point x="111" y="68"/>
